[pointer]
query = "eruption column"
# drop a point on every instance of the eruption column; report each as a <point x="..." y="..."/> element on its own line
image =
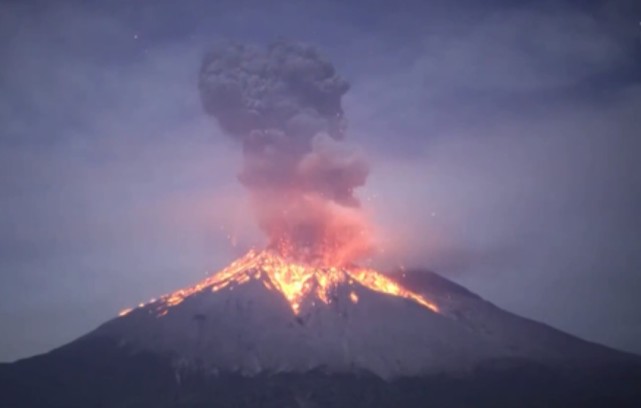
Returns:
<point x="283" y="104"/>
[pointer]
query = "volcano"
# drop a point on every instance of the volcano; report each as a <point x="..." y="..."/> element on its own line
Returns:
<point x="270" y="332"/>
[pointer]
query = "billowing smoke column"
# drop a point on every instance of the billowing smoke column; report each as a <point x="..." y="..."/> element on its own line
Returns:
<point x="283" y="104"/>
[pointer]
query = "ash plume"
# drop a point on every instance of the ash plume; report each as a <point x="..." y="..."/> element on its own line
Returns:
<point x="283" y="104"/>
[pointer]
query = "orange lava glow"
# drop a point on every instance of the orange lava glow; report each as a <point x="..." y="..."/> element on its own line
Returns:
<point x="125" y="311"/>
<point x="295" y="281"/>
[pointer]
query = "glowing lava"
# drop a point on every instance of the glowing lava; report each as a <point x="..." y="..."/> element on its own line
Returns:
<point x="295" y="281"/>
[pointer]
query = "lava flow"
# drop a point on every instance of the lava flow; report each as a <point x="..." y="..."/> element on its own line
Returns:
<point x="295" y="281"/>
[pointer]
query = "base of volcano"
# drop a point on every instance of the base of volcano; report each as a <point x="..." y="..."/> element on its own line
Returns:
<point x="100" y="373"/>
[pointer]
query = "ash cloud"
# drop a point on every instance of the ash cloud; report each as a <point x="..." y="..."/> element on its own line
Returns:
<point x="283" y="104"/>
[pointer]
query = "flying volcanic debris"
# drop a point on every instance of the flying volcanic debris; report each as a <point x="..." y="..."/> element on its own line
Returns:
<point x="284" y="105"/>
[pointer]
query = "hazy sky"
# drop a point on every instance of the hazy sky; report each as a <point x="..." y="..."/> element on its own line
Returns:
<point x="504" y="141"/>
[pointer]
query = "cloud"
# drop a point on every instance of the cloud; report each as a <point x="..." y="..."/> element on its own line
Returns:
<point x="520" y="51"/>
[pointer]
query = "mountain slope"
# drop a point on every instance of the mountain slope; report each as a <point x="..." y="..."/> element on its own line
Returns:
<point x="244" y="346"/>
<point x="248" y="328"/>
